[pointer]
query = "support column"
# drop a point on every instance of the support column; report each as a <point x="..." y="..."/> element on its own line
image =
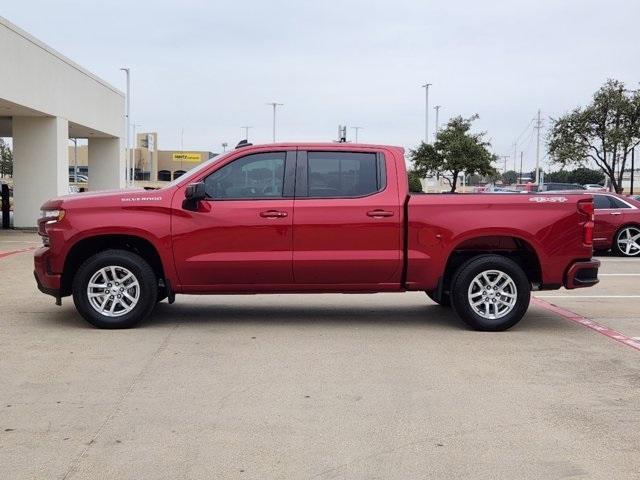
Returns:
<point x="106" y="164"/>
<point x="41" y="165"/>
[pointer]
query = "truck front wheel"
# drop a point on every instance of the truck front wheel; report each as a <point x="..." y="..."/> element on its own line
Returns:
<point x="115" y="289"/>
<point x="490" y="293"/>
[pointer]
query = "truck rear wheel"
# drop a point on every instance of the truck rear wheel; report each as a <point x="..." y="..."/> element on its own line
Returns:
<point x="115" y="289"/>
<point x="490" y="293"/>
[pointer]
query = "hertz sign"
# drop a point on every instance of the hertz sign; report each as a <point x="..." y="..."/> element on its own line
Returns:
<point x="187" y="157"/>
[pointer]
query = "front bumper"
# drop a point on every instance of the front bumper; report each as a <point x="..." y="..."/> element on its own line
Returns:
<point x="582" y="274"/>
<point x="48" y="282"/>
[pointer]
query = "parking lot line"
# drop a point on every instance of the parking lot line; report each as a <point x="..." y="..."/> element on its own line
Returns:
<point x="585" y="322"/>
<point x="619" y="274"/>
<point x="22" y="250"/>
<point x="615" y="260"/>
<point x="587" y="296"/>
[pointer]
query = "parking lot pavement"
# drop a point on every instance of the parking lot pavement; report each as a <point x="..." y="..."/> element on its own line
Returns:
<point x="291" y="386"/>
<point x="614" y="302"/>
<point x="11" y="240"/>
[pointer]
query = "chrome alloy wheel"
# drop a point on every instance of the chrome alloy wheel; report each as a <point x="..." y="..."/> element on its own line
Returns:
<point x="113" y="291"/>
<point x="628" y="241"/>
<point x="492" y="294"/>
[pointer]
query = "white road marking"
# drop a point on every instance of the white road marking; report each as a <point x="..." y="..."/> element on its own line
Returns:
<point x="588" y="296"/>
<point x="617" y="260"/>
<point x="619" y="274"/>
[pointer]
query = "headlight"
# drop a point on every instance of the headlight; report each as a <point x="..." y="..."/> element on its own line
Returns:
<point x="51" y="216"/>
<point x="47" y="217"/>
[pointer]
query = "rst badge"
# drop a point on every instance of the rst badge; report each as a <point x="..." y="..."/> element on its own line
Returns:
<point x="548" y="199"/>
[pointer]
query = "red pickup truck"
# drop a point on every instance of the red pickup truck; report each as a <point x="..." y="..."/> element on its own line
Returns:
<point x="311" y="218"/>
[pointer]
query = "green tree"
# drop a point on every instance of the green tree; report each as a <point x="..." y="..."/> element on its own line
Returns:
<point x="509" y="177"/>
<point x="561" y="176"/>
<point x="604" y="132"/>
<point x="455" y="150"/>
<point x="415" y="185"/>
<point x="585" y="175"/>
<point x="6" y="159"/>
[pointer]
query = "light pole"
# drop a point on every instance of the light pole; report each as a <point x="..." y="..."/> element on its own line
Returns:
<point x="274" y="105"/>
<point x="224" y="146"/>
<point x="426" y="112"/>
<point x="246" y="132"/>
<point x="437" y="109"/>
<point x="128" y="161"/>
<point x="357" y="129"/>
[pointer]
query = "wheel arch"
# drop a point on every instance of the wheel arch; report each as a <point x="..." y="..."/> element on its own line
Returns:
<point x="89" y="246"/>
<point x="511" y="246"/>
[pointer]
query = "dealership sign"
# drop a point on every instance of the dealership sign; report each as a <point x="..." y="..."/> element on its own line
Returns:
<point x="187" y="157"/>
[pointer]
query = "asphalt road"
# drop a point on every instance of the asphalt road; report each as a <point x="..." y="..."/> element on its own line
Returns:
<point x="315" y="387"/>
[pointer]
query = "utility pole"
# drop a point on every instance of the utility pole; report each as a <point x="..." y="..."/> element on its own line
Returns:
<point x="356" y="129"/>
<point x="521" y="155"/>
<point x="437" y="109"/>
<point x="182" y="139"/>
<point x="127" y="175"/>
<point x="506" y="157"/>
<point x="246" y="132"/>
<point x="515" y="154"/>
<point x="224" y="146"/>
<point x="538" y="127"/>
<point x="426" y="112"/>
<point x="274" y="105"/>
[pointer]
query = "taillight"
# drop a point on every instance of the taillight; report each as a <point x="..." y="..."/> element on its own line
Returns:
<point x="586" y="208"/>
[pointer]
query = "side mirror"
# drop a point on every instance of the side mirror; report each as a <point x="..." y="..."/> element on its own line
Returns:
<point x="194" y="193"/>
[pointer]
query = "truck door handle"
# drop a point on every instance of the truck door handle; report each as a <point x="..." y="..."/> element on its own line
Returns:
<point x="615" y="213"/>
<point x="378" y="213"/>
<point x="273" y="214"/>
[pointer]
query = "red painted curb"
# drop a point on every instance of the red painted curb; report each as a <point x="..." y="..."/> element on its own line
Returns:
<point x="590" y="324"/>
<point x="22" y="250"/>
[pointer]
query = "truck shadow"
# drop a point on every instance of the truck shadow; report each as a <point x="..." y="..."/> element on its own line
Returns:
<point x="432" y="315"/>
<point x="427" y="317"/>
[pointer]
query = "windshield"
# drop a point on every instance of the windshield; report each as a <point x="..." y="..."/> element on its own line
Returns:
<point x="194" y="171"/>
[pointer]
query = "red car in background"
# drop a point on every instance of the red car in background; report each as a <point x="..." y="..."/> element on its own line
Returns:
<point x="617" y="225"/>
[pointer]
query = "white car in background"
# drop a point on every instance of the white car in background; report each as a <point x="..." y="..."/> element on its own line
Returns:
<point x="594" y="187"/>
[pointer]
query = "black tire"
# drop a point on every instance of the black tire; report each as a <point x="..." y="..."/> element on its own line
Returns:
<point x="616" y="249"/>
<point x="142" y="272"/>
<point x="445" y="301"/>
<point x="466" y="274"/>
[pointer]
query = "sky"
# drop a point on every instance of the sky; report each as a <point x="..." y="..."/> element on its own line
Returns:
<point x="209" y="67"/>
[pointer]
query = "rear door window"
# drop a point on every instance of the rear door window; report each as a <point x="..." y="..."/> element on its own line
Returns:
<point x="343" y="174"/>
